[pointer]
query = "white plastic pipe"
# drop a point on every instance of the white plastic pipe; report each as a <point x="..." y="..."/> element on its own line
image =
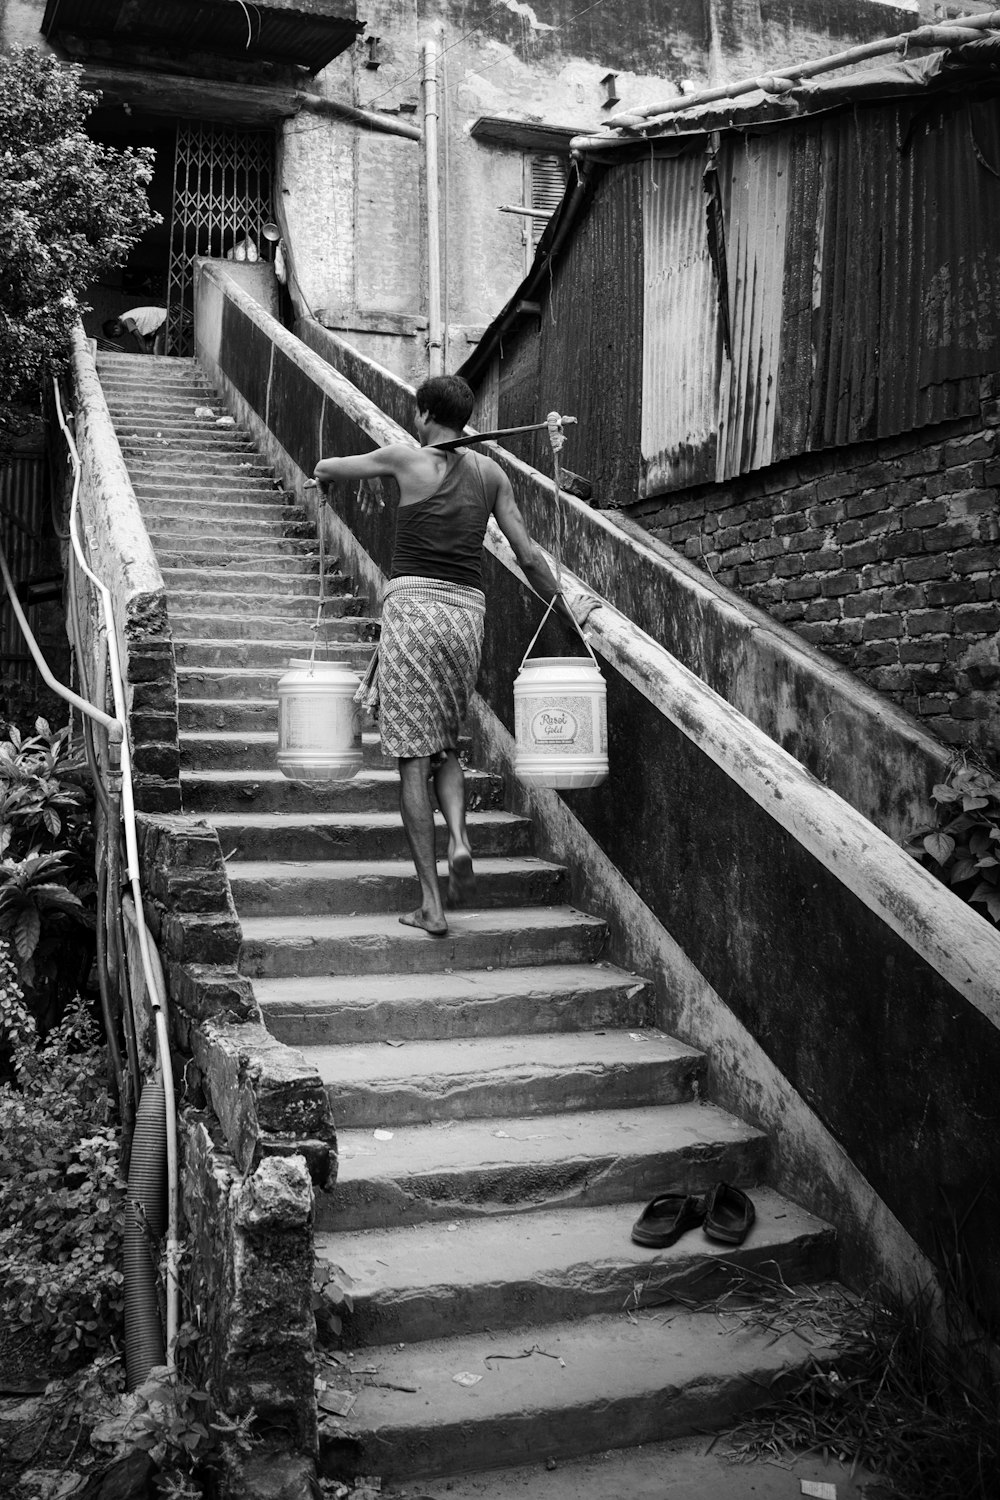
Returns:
<point x="435" y="324"/>
<point x="152" y="972"/>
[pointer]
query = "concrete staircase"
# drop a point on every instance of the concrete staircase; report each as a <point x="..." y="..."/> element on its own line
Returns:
<point x="504" y="1109"/>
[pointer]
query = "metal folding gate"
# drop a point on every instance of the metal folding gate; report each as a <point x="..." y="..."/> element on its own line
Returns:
<point x="223" y="192"/>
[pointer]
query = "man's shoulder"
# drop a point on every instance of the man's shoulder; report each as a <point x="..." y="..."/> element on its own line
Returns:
<point x="488" y="467"/>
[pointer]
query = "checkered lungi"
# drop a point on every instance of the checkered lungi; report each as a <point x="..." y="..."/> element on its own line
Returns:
<point x="420" y="680"/>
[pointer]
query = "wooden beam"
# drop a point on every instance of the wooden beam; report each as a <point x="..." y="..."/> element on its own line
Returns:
<point x="193" y="98"/>
<point x="235" y="103"/>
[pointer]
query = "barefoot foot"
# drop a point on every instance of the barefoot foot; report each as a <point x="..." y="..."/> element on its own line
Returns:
<point x="436" y="926"/>
<point x="461" y="878"/>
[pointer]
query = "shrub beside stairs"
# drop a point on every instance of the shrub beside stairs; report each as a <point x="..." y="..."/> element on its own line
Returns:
<point x="504" y="1108"/>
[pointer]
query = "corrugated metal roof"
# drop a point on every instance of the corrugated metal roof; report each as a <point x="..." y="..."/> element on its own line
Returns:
<point x="224" y="28"/>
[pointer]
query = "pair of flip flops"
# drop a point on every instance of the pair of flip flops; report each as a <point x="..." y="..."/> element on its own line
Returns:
<point x="725" y="1214"/>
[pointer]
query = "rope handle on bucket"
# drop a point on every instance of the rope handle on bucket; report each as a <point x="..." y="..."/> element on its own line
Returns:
<point x="557" y="438"/>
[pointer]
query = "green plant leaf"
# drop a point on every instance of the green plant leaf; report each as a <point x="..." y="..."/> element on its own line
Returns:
<point x="940" y="846"/>
<point x="27" y="932"/>
<point x="993" y="906"/>
<point x="973" y="804"/>
<point x="942" y="792"/>
<point x="964" y="869"/>
<point x="982" y="892"/>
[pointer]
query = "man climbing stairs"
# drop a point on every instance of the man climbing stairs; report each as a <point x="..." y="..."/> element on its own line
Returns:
<point x="504" y="1108"/>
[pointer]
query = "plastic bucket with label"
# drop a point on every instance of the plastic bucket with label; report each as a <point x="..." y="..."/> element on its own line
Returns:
<point x="560" y="722"/>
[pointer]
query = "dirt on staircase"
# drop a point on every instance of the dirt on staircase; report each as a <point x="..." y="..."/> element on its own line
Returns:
<point x="504" y="1108"/>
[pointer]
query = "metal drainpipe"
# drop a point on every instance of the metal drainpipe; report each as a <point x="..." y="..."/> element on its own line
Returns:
<point x="435" y="325"/>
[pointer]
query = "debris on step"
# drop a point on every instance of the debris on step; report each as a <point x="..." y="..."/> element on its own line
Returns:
<point x="204" y="411"/>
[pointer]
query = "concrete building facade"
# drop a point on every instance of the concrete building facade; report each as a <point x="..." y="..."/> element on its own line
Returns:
<point x="367" y="249"/>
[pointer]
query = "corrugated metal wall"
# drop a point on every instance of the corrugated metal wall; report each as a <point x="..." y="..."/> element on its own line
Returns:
<point x="862" y="276"/>
<point x="679" y="393"/>
<point x="591" y="341"/>
<point x="583" y="355"/>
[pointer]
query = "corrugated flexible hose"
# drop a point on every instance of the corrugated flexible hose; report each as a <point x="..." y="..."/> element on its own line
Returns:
<point x="145" y="1225"/>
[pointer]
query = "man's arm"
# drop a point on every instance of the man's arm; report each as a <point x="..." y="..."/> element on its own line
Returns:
<point x="530" y="557"/>
<point x="378" y="464"/>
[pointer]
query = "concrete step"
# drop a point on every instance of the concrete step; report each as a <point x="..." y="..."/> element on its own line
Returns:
<point x="693" y="1467"/>
<point x="218" y="750"/>
<point x="120" y="391"/>
<point x="196" y="468"/>
<point x="182" y="436"/>
<point x="342" y="887"/>
<point x="561" y="1390"/>
<point x="158" y="443"/>
<point x="378" y="943"/>
<point x="271" y="792"/>
<point x="250" y="608"/>
<point x="445" y="1173"/>
<point x="329" y="1009"/>
<point x="245" y="684"/>
<point x="236" y="520"/>
<point x="216" y="500"/>
<point x="237" y="578"/>
<point x="350" y="639"/>
<point x="356" y="836"/>
<point x="288" y="556"/>
<point x="234" y="716"/>
<point x="258" y="630"/>
<point x="165" y="402"/>
<point x="463" y="1078"/>
<point x="407" y="1284"/>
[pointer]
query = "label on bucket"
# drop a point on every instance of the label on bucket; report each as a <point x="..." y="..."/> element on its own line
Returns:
<point x="559" y="723"/>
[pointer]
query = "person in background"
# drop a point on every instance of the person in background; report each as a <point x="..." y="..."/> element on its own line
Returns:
<point x="433" y="610"/>
<point x="147" y="325"/>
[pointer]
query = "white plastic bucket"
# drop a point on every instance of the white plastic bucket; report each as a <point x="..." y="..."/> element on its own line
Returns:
<point x="560" y="722"/>
<point x="319" y="724"/>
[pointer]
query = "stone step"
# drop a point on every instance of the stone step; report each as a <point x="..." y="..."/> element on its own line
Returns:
<point x="272" y="792"/>
<point x="217" y="749"/>
<point x="350" y="639"/>
<point x="564" y="1263"/>
<point x="355" y="836"/>
<point x="252" y="609"/>
<point x="379" y="943"/>
<point x="561" y="1390"/>
<point x="445" y="1174"/>
<point x="348" y="887"/>
<point x="328" y="1009"/>
<point x="464" y="1078"/>
<point x="239" y="579"/>
<point x="148" y="427"/>
<point x="233" y="716"/>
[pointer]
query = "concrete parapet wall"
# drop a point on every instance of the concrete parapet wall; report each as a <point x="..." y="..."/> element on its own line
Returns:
<point x="249" y="1283"/>
<point x="121" y="555"/>
<point x="876" y="757"/>
<point x="267" y="1100"/>
<point x="886" y="556"/>
<point x="855" y="995"/>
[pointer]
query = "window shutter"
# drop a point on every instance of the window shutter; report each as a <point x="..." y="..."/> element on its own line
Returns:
<point x="547" y="177"/>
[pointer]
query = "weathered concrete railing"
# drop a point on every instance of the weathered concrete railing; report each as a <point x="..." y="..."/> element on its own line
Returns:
<point x="850" y="1003"/>
<point x="122" y="555"/>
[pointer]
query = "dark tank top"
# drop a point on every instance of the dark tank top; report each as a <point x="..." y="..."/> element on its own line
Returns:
<point x="442" y="536"/>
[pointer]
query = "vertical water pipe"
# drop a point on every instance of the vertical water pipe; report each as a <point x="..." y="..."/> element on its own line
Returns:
<point x="435" y="330"/>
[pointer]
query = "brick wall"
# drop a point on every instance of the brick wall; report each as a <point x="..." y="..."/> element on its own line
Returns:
<point x="886" y="556"/>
